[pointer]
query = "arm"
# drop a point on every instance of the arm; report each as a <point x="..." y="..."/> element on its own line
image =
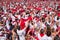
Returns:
<point x="26" y="25"/>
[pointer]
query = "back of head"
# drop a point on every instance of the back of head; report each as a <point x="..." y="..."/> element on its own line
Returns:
<point x="48" y="33"/>
<point x="42" y="31"/>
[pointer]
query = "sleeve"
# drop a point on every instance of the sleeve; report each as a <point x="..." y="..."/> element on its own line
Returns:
<point x="38" y="36"/>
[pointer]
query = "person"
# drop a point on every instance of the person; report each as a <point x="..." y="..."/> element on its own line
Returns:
<point x="42" y="35"/>
<point x="49" y="35"/>
<point x="21" y="33"/>
<point x="15" y="17"/>
<point x="2" y="31"/>
<point x="57" y="37"/>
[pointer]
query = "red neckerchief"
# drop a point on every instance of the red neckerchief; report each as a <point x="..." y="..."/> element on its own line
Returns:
<point x="41" y="35"/>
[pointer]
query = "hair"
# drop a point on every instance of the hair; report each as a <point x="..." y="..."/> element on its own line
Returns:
<point x="42" y="31"/>
<point x="18" y="27"/>
<point x="57" y="18"/>
<point x="43" y="19"/>
<point x="48" y="12"/>
<point x="48" y="28"/>
<point x="27" y="12"/>
<point x="48" y="33"/>
<point x="1" y="9"/>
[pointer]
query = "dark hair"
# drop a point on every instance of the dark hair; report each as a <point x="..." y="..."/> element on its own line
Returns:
<point x="1" y="9"/>
<point x="48" y="12"/>
<point x="42" y="31"/>
<point x="48" y="28"/>
<point x="1" y="22"/>
<point x="48" y="33"/>
<point x="27" y="12"/>
<point x="43" y="19"/>
<point x="18" y="27"/>
<point x="57" y="18"/>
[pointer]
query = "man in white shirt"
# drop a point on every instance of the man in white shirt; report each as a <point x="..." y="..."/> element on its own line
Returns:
<point x="21" y="33"/>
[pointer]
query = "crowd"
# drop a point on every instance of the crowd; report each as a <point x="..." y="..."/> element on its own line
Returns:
<point x="29" y="20"/>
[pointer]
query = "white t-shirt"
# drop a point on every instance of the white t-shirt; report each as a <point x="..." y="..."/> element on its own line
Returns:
<point x="55" y="18"/>
<point x="42" y="38"/>
<point x="13" y="18"/>
<point x="7" y="24"/>
<point x="45" y="37"/>
<point x="48" y="38"/>
<point x="1" y="31"/>
<point x="21" y="34"/>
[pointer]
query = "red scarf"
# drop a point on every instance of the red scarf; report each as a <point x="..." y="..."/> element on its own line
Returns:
<point x="41" y="35"/>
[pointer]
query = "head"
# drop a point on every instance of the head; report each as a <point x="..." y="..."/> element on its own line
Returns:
<point x="42" y="31"/>
<point x="48" y="33"/>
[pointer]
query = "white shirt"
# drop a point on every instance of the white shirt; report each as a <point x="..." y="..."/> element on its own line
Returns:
<point x="55" y="18"/>
<point x="13" y="18"/>
<point x="21" y="34"/>
<point x="45" y="37"/>
<point x="7" y="24"/>
<point x="49" y="38"/>
<point x="42" y="38"/>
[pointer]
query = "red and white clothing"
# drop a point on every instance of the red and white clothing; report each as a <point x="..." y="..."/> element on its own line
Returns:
<point x="44" y="37"/>
<point x="21" y="33"/>
<point x="2" y="36"/>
